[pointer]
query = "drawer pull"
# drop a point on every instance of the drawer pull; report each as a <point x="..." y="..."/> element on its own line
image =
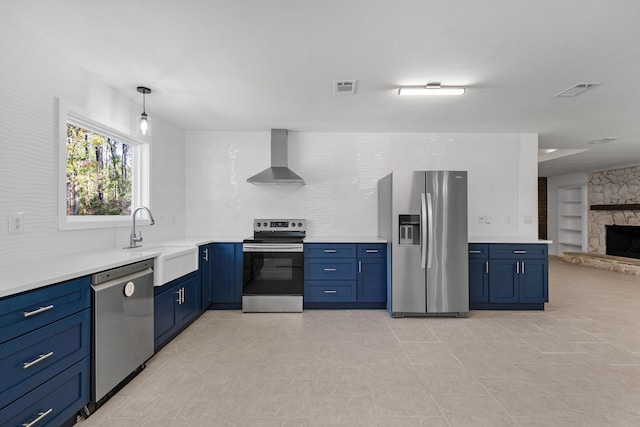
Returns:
<point x="37" y="311"/>
<point x="330" y="292"/>
<point x="475" y="252"/>
<point x="330" y="269"/>
<point x="27" y="365"/>
<point x="41" y="416"/>
<point x="330" y="251"/>
<point x="519" y="252"/>
<point x="372" y="251"/>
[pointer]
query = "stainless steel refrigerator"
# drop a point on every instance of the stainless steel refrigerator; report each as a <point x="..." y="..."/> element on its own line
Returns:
<point x="423" y="216"/>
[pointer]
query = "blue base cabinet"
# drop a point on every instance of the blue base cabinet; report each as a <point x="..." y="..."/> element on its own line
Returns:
<point x="372" y="273"/>
<point x="515" y="276"/>
<point x="345" y="275"/>
<point x="45" y="347"/>
<point x="205" y="262"/>
<point x="176" y="305"/>
<point x="478" y="273"/>
<point x="226" y="275"/>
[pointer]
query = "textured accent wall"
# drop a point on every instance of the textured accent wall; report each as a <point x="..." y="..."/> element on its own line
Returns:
<point x="30" y="77"/>
<point x="612" y="187"/>
<point x="342" y="170"/>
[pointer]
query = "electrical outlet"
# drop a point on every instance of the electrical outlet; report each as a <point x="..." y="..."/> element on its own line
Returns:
<point x="481" y="219"/>
<point x="16" y="223"/>
<point x="528" y="219"/>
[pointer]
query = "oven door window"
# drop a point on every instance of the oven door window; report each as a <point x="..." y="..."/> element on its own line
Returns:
<point x="269" y="273"/>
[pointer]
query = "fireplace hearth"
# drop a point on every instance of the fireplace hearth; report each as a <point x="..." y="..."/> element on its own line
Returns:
<point x="623" y="240"/>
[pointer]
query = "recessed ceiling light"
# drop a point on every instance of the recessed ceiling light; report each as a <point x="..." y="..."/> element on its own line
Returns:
<point x="604" y="140"/>
<point x="431" y="89"/>
<point x="576" y="89"/>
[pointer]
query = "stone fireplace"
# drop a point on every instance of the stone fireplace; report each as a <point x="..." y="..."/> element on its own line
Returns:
<point x="614" y="199"/>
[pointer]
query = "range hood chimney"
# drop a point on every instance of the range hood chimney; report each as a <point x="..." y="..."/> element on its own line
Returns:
<point x="278" y="173"/>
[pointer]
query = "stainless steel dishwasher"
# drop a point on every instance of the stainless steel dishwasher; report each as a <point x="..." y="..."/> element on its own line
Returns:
<point x="122" y="325"/>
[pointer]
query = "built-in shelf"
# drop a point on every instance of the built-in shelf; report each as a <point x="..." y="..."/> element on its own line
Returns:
<point x="626" y="207"/>
<point x="572" y="212"/>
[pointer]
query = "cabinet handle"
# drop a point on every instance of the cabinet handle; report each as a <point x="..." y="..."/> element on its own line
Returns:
<point x="371" y="251"/>
<point x="517" y="267"/>
<point x="475" y="252"/>
<point x="330" y="292"/>
<point x="330" y="251"/>
<point x="519" y="252"/>
<point x="179" y="300"/>
<point x="522" y="267"/>
<point x="206" y="254"/>
<point x="27" y="365"/>
<point x="330" y="269"/>
<point x="182" y="289"/>
<point x="359" y="266"/>
<point x="486" y="266"/>
<point x="41" y="416"/>
<point x="37" y="311"/>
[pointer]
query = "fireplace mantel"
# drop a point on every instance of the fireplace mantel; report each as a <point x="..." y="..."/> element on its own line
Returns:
<point x="626" y="207"/>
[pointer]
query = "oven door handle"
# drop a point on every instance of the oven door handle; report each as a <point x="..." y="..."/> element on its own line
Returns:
<point x="265" y="247"/>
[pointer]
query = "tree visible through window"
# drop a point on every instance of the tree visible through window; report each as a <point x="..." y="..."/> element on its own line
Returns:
<point x="99" y="173"/>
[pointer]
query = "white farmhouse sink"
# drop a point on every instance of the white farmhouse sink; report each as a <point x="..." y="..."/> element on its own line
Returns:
<point x="173" y="261"/>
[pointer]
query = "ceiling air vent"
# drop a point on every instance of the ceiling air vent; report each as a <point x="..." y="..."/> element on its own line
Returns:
<point x="576" y="89"/>
<point x="344" y="87"/>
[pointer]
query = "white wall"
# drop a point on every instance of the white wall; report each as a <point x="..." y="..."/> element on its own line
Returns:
<point x="553" y="183"/>
<point x="341" y="171"/>
<point x="30" y="78"/>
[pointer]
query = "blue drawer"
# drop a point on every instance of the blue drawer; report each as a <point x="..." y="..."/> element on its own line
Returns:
<point x="337" y="269"/>
<point x="26" y="312"/>
<point x="373" y="250"/>
<point x="46" y="352"/>
<point x="337" y="291"/>
<point x="518" y="251"/>
<point x="54" y="402"/>
<point x="478" y="250"/>
<point x="325" y="250"/>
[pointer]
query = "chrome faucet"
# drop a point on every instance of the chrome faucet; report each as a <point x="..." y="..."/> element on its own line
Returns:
<point x="133" y="237"/>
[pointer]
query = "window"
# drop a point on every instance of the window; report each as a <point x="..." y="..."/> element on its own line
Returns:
<point x="99" y="173"/>
<point x="102" y="175"/>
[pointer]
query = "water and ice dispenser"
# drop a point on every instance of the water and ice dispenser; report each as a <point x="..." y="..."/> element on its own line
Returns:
<point x="409" y="229"/>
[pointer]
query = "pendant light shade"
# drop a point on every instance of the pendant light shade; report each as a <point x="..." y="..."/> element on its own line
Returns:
<point x="144" y="124"/>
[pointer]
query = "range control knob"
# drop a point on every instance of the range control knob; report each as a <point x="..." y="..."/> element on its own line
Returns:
<point x="293" y="224"/>
<point x="264" y="223"/>
<point x="299" y="224"/>
<point x="257" y="224"/>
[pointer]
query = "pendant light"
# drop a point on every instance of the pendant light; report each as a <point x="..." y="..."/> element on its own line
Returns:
<point x="144" y="125"/>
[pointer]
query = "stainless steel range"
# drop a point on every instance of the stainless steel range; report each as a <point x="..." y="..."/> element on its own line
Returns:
<point x="273" y="266"/>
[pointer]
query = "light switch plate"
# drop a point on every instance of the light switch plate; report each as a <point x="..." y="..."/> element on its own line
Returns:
<point x="16" y="223"/>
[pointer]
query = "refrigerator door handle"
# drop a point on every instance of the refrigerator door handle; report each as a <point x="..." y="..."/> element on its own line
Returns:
<point x="423" y="231"/>
<point x="430" y="224"/>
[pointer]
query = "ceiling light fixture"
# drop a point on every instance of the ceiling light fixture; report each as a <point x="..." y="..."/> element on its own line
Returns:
<point x="431" y="89"/>
<point x="144" y="125"/>
<point x="604" y="140"/>
<point x="576" y="89"/>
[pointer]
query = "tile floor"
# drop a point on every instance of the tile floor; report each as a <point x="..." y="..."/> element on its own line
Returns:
<point x="575" y="364"/>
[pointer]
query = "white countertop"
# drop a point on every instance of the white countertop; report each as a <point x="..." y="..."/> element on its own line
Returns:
<point x="337" y="239"/>
<point x="519" y="240"/>
<point x="33" y="275"/>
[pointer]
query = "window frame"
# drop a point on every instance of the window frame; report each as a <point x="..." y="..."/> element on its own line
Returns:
<point x="141" y="170"/>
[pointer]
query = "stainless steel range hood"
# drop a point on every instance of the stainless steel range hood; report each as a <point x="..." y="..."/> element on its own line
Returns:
<point x="278" y="173"/>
